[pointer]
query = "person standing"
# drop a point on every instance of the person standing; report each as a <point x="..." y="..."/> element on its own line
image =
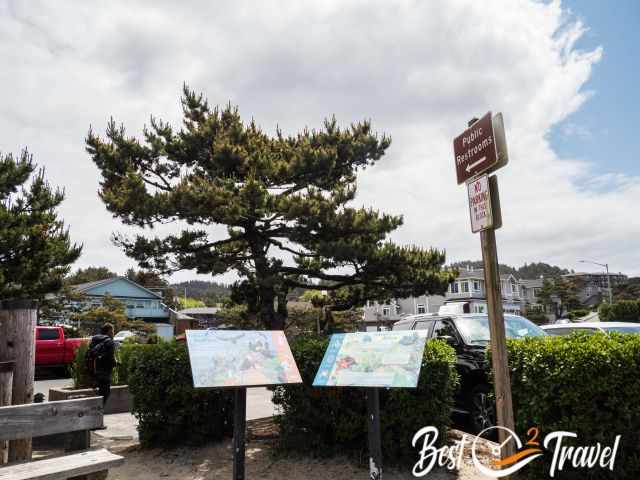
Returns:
<point x="101" y="359"/>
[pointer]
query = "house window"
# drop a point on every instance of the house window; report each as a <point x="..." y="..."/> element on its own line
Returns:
<point x="465" y="287"/>
<point x="131" y="306"/>
<point x="139" y="305"/>
<point x="386" y="311"/>
<point x="420" y="309"/>
<point x="454" y="287"/>
<point x="476" y="285"/>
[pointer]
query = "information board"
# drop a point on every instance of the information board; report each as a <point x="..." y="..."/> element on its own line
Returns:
<point x="372" y="359"/>
<point x="240" y="358"/>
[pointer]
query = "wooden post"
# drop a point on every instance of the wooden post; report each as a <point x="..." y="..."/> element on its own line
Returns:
<point x="6" y="384"/>
<point x="17" y="342"/>
<point x="375" y="437"/>
<point x="501" y="379"/>
<point x="239" y="426"/>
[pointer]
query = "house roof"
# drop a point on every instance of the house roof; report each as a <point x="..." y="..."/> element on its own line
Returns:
<point x="535" y="283"/>
<point x="479" y="274"/>
<point x="199" y="311"/>
<point x="85" y="287"/>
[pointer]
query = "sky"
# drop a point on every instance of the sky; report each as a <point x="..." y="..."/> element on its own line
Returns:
<point x="564" y="75"/>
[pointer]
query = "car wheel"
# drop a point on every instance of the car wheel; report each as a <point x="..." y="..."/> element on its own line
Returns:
<point x="482" y="408"/>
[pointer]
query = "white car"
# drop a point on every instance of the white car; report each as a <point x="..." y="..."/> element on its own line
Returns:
<point x="591" y="327"/>
<point x="122" y="335"/>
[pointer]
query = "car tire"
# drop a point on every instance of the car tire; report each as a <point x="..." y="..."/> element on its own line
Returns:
<point x="482" y="409"/>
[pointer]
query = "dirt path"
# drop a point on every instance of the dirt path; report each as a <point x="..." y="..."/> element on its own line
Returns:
<point x="215" y="462"/>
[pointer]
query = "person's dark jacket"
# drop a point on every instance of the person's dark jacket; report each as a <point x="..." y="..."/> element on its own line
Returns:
<point x="107" y="360"/>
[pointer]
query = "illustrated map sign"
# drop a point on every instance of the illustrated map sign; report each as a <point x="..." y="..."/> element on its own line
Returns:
<point x="237" y="358"/>
<point x="480" y="148"/>
<point x="480" y="204"/>
<point x="372" y="359"/>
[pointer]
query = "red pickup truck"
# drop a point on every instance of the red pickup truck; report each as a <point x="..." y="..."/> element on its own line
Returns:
<point x="53" y="349"/>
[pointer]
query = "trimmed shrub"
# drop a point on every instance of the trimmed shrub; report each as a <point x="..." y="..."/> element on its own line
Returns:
<point x="169" y="410"/>
<point x="79" y="372"/>
<point x="329" y="420"/>
<point x="124" y="357"/>
<point x="589" y="385"/>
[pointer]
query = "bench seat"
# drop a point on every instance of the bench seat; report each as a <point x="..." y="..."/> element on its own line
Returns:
<point x="61" y="468"/>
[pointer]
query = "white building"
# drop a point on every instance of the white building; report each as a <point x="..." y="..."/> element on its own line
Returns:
<point x="467" y="292"/>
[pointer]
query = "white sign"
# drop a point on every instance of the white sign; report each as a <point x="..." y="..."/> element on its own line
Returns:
<point x="480" y="204"/>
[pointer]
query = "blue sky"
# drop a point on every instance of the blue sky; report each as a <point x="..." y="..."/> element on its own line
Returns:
<point x="604" y="130"/>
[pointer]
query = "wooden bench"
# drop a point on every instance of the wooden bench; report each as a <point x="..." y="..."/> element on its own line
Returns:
<point x="76" y="419"/>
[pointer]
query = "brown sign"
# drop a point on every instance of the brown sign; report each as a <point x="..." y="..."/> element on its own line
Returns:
<point x="475" y="150"/>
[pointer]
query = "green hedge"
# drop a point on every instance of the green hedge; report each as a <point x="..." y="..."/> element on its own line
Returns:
<point x="169" y="410"/>
<point x="622" y="311"/>
<point x="589" y="385"/>
<point x="328" y="420"/>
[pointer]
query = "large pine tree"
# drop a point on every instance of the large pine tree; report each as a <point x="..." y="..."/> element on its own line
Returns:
<point x="286" y="202"/>
<point x="35" y="249"/>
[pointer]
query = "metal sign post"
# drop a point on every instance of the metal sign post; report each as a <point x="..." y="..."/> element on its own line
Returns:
<point x="478" y="150"/>
<point x="375" y="437"/>
<point x="239" y="426"/>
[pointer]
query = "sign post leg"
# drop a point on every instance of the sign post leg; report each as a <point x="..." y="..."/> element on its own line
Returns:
<point x="375" y="437"/>
<point x="501" y="380"/>
<point x="239" y="425"/>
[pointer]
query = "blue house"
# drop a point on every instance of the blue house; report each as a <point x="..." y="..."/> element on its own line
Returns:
<point x="140" y="303"/>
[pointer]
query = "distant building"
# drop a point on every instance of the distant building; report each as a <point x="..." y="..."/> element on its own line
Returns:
<point x="594" y="287"/>
<point x="388" y="313"/>
<point x="140" y="303"/>
<point x="196" y="318"/>
<point x="466" y="292"/>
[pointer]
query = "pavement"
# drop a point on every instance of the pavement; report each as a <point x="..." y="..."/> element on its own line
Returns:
<point x="43" y="386"/>
<point x="123" y="426"/>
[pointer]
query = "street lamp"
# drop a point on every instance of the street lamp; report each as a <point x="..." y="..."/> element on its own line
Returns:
<point x="606" y="266"/>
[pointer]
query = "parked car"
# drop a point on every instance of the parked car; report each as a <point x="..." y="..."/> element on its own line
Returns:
<point x="468" y="334"/>
<point x="52" y="348"/>
<point x="592" y="327"/>
<point x="122" y="335"/>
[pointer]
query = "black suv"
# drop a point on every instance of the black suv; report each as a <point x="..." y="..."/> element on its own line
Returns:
<point x="469" y="335"/>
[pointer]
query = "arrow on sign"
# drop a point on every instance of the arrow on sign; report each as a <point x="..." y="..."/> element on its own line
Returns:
<point x="475" y="164"/>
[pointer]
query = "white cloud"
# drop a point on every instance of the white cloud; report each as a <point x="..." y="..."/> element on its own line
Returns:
<point x="419" y="70"/>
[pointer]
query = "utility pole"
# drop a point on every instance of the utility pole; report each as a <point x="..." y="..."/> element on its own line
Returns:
<point x="606" y="266"/>
<point x="478" y="151"/>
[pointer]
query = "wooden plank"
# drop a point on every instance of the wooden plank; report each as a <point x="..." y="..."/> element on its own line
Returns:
<point x="39" y="419"/>
<point x="61" y="468"/>
<point x="6" y="382"/>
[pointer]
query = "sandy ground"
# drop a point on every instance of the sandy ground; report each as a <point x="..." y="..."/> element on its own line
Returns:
<point x="215" y="462"/>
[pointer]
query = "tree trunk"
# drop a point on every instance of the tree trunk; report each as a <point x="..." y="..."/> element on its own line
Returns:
<point x="6" y="382"/>
<point x="17" y="343"/>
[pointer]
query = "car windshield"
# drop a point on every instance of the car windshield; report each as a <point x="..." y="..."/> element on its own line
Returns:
<point x="625" y="329"/>
<point x="476" y="329"/>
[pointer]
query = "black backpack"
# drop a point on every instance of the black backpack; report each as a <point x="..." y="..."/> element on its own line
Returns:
<point x="94" y="354"/>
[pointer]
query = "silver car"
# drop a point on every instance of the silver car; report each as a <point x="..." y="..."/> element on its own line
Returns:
<point x="591" y="327"/>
